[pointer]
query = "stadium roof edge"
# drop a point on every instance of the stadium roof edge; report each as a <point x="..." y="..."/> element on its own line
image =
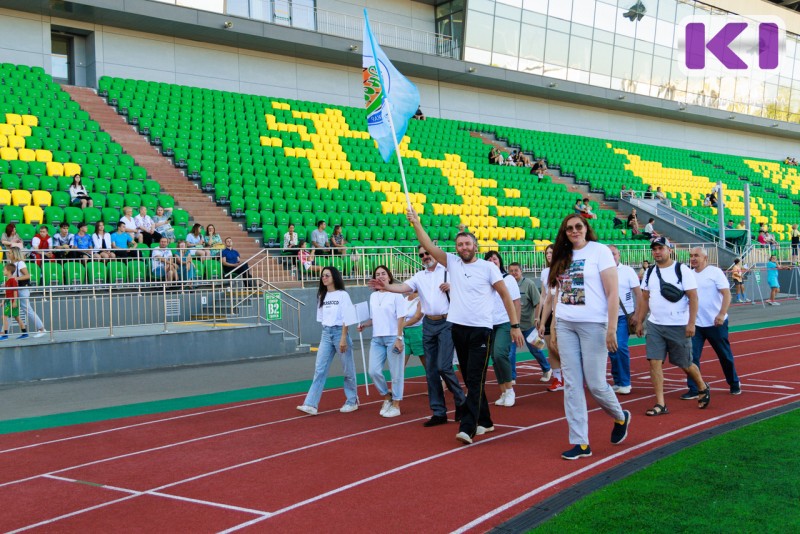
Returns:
<point x="203" y="26"/>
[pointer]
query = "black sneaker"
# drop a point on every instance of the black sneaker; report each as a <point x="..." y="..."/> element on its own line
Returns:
<point x="689" y="395"/>
<point x="577" y="452"/>
<point x="620" y="431"/>
<point x="736" y="389"/>
<point x="435" y="421"/>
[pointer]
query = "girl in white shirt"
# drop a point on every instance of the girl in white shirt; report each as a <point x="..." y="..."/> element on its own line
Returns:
<point x="547" y="313"/>
<point x="78" y="196"/>
<point x="332" y="301"/>
<point x="102" y="242"/>
<point x="388" y="314"/>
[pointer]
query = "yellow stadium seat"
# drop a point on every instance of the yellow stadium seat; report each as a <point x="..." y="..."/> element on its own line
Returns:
<point x="3" y="141"/>
<point x="71" y="169"/>
<point x="20" y="197"/>
<point x="7" y="129"/>
<point x="386" y="207"/>
<point x="16" y="141"/>
<point x="8" y="153"/>
<point x="23" y="131"/>
<point x="54" y="168"/>
<point x="30" y="120"/>
<point x="33" y="214"/>
<point x="26" y="154"/>
<point x="5" y="197"/>
<point x="44" y="155"/>
<point x="13" y="119"/>
<point x="41" y="198"/>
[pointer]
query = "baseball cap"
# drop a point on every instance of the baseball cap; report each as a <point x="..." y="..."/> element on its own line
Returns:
<point x="660" y="241"/>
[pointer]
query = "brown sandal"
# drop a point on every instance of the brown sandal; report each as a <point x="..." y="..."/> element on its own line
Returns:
<point x="658" y="409"/>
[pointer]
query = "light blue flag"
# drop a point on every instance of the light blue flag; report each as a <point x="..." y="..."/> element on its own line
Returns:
<point x="383" y="83"/>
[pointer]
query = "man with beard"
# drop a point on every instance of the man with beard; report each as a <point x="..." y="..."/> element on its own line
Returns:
<point x="437" y="339"/>
<point x="472" y="284"/>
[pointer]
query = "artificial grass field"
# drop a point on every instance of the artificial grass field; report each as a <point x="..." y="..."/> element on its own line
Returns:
<point x="747" y="480"/>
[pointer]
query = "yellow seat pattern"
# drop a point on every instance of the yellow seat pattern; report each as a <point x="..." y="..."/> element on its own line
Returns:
<point x="5" y="197"/>
<point x="41" y="198"/>
<point x="20" y="197"/>
<point x="33" y="214"/>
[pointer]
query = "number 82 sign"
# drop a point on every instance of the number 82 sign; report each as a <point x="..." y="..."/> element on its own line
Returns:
<point x="274" y="307"/>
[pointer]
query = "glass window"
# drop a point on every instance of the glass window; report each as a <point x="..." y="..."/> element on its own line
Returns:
<point x="506" y="36"/>
<point x="239" y="8"/>
<point x="666" y="10"/>
<point x="642" y="67"/>
<point x="505" y="61"/>
<point x="684" y="10"/>
<point x="539" y="6"/>
<point x="484" y="6"/>
<point x="532" y="44"/>
<point x="605" y="17"/>
<point x="580" y="30"/>
<point x="643" y="46"/>
<point x="559" y="25"/>
<point x="560" y="9"/>
<point x="603" y="37"/>
<point x="665" y="34"/>
<point x="580" y="53"/>
<point x="479" y="30"/>
<point x="556" y="48"/>
<point x="583" y="12"/>
<point x="512" y="3"/>
<point x="508" y="12"/>
<point x="660" y="71"/>
<point x="623" y="63"/>
<point x="474" y="55"/>
<point x="646" y="28"/>
<point x="303" y="14"/>
<point x="578" y="76"/>
<point x="59" y="59"/>
<point x="534" y="19"/>
<point x="599" y="80"/>
<point x="601" y="58"/>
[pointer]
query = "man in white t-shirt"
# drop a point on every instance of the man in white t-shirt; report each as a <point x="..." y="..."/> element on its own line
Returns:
<point x="629" y="293"/>
<point x="164" y="267"/>
<point x="472" y="285"/>
<point x="714" y="296"/>
<point x="671" y="325"/>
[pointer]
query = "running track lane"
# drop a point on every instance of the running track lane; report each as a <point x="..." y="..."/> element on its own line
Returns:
<point x="344" y="471"/>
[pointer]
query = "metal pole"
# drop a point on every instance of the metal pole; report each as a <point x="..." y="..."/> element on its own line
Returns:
<point x="51" y="313"/>
<point x="110" y="312"/>
<point x="164" y="294"/>
<point x="213" y="303"/>
<point x="721" y="213"/>
<point x="747" y="213"/>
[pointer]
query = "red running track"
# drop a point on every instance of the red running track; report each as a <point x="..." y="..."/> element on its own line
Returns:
<point x="261" y="465"/>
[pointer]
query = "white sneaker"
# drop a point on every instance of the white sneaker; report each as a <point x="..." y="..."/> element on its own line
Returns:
<point x="511" y="398"/>
<point x="776" y="303"/>
<point x="481" y="430"/>
<point x="546" y="376"/>
<point x="310" y="410"/>
<point x="624" y="390"/>
<point x="386" y="405"/>
<point x="393" y="411"/>
<point x="40" y="333"/>
<point x="615" y="388"/>
<point x="347" y="408"/>
<point x="502" y="400"/>
<point x="463" y="437"/>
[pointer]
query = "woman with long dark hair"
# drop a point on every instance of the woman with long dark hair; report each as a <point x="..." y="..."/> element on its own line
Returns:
<point x="585" y="274"/>
<point x="545" y="323"/>
<point x="387" y="317"/>
<point x="332" y="301"/>
<point x="501" y="333"/>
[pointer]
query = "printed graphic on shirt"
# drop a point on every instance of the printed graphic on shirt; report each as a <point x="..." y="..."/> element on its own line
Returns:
<point x="573" y="291"/>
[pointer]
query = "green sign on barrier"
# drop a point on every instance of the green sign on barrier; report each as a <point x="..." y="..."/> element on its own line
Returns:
<point x="274" y="306"/>
<point x="758" y="276"/>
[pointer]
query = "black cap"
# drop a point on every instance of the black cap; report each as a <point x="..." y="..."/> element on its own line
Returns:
<point x="660" y="241"/>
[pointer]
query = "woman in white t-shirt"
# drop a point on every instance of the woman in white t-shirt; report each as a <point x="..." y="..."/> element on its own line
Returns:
<point x="585" y="274"/>
<point x="387" y="318"/>
<point x="546" y="313"/>
<point x="332" y="301"/>
<point x="23" y="277"/>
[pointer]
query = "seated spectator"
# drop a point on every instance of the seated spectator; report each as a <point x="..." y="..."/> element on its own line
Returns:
<point x="586" y="210"/>
<point x="649" y="231"/>
<point x="213" y="241"/>
<point x="771" y="241"/>
<point x="130" y="224"/>
<point x="319" y="238"/>
<point x="146" y="227"/>
<point x="648" y="193"/>
<point x="787" y="161"/>
<point x="290" y="240"/>
<point x="196" y="242"/>
<point x="162" y="262"/>
<point x="122" y="244"/>
<point x="633" y="222"/>
<point x="183" y="256"/>
<point x="523" y="160"/>
<point x="78" y="196"/>
<point x="41" y="245"/>
<point x="306" y="258"/>
<point x="741" y="225"/>
<point x="494" y="155"/>
<point x="660" y="194"/>
<point x="83" y="244"/>
<point x="712" y="198"/>
<point x="338" y="241"/>
<point x="626" y="193"/>
<point x="102" y="242"/>
<point x="419" y="115"/>
<point x="511" y="161"/>
<point x="762" y="238"/>
<point x="232" y="264"/>
<point x="63" y="243"/>
<point x="11" y="238"/>
<point x="162" y="224"/>
<point x="578" y="207"/>
<point x="462" y="228"/>
<point x="539" y="169"/>
<point x="707" y="201"/>
<point x="729" y="226"/>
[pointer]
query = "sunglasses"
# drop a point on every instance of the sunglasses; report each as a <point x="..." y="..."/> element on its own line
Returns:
<point x="326" y="275"/>
<point x="577" y="228"/>
<point x="423" y="254"/>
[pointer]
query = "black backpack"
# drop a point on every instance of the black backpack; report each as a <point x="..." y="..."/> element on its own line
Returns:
<point x="669" y="291"/>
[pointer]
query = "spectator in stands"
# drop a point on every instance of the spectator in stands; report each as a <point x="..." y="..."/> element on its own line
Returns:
<point x="306" y="257"/>
<point x="319" y="238"/>
<point x="162" y="224"/>
<point x="78" y="196"/>
<point x="196" y="241"/>
<point x="232" y="264"/>
<point x="578" y="207"/>
<point x="11" y="305"/>
<point x="524" y="160"/>
<point x="626" y="193"/>
<point x="11" y="238"/>
<point x="762" y="238"/>
<point x="742" y="225"/>
<point x="290" y="239"/>
<point x="83" y="244"/>
<point x="41" y="245"/>
<point x="649" y="231"/>
<point x="23" y="277"/>
<point x="462" y="228"/>
<point x="737" y="276"/>
<point x="338" y="241"/>
<point x="712" y="198"/>
<point x="587" y="210"/>
<point x="769" y="237"/>
<point x="102" y="242"/>
<point x="795" y="236"/>
<point x="643" y="269"/>
<point x="63" y="243"/>
<point x="419" y="115"/>
<point x="511" y="161"/>
<point x="633" y="222"/>
<point x="213" y="241"/>
<point x="729" y="226"/>
<point x="660" y="194"/>
<point x="539" y="169"/>
<point x="648" y="193"/>
<point x="147" y="227"/>
<point x="183" y="256"/>
<point x="122" y="243"/>
<point x="494" y="155"/>
<point x="707" y="201"/>
<point x="162" y="262"/>
<point x="130" y="224"/>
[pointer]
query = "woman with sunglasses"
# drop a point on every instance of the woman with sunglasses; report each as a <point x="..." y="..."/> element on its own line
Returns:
<point x="585" y="274"/>
<point x="332" y="301"/>
<point x="387" y="317"/>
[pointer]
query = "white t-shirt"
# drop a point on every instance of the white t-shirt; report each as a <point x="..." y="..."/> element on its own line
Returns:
<point x="471" y="290"/>
<point x="159" y="253"/>
<point x="648" y="228"/>
<point x="411" y="311"/>
<point x="662" y="311"/>
<point x="627" y="281"/>
<point x="581" y="297"/>
<point x="499" y="313"/>
<point x="130" y="225"/>
<point x="710" y="281"/>
<point x="426" y="283"/>
<point x="332" y="311"/>
<point x="543" y="277"/>
<point x="385" y="309"/>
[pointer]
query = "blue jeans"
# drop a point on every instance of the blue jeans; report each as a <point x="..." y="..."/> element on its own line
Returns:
<point x="328" y="348"/>
<point x="621" y="360"/>
<point x="536" y="353"/>
<point x="381" y="351"/>
<point x="717" y="337"/>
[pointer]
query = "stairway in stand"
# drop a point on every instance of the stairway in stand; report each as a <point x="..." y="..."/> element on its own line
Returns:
<point x="188" y="196"/>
